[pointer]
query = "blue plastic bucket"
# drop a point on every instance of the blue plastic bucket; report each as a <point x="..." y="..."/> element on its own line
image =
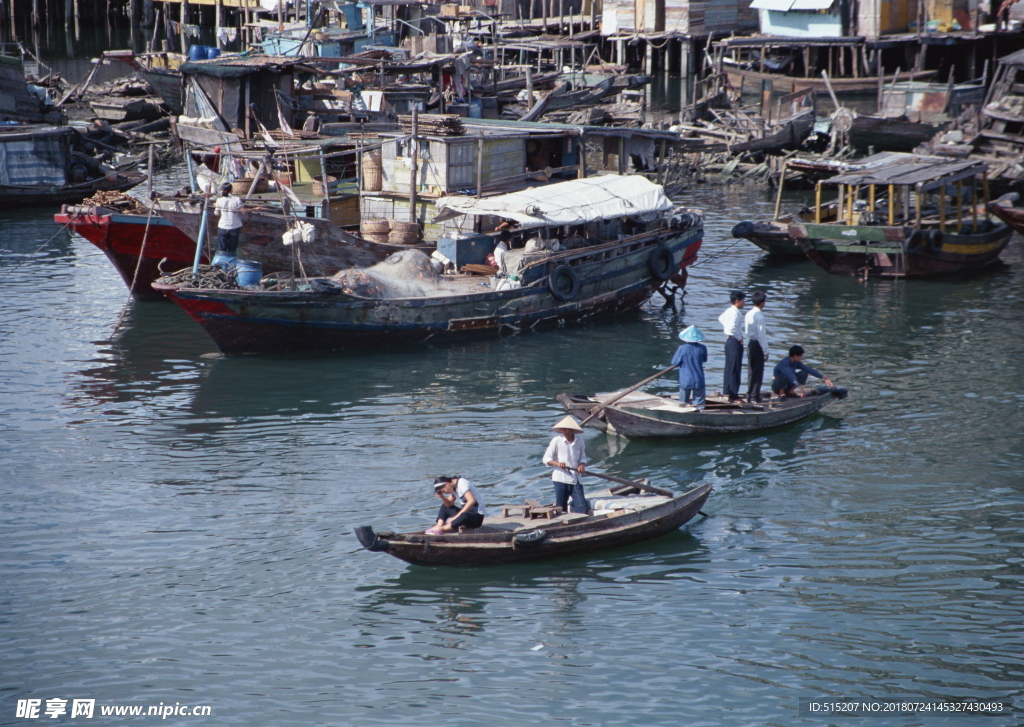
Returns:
<point x="197" y="53"/>
<point x="249" y="273"/>
<point x="212" y="52"/>
<point x="225" y="260"/>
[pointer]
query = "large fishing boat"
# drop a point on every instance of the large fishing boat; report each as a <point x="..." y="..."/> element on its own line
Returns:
<point x="574" y="250"/>
<point x="913" y="216"/>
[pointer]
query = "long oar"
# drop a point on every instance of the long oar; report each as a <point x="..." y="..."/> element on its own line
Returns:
<point x="600" y="407"/>
<point x="638" y="485"/>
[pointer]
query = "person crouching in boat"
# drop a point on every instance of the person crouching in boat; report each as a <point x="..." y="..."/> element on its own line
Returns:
<point x="791" y="374"/>
<point x="461" y="505"/>
<point x="690" y="358"/>
<point x="566" y="453"/>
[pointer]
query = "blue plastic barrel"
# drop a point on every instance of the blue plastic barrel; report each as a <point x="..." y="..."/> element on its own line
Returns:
<point x="249" y="273"/>
<point x="197" y="53"/>
<point x="212" y="52"/>
<point x="476" y="109"/>
<point x="225" y="260"/>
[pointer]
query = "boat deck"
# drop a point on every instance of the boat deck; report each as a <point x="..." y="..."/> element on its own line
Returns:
<point x="604" y="503"/>
<point x="714" y="404"/>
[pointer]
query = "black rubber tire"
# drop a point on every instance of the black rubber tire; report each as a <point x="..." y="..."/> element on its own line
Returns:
<point x="662" y="263"/>
<point x="934" y="243"/>
<point x="557" y="283"/>
<point x="914" y="242"/>
<point x="743" y="229"/>
<point x="530" y="538"/>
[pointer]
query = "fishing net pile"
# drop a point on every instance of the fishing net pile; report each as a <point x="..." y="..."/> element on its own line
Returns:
<point x="119" y="201"/>
<point x="406" y="274"/>
<point x="210" y="276"/>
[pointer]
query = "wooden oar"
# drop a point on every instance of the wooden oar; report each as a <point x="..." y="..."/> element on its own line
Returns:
<point x="600" y="407"/>
<point x="638" y="485"/>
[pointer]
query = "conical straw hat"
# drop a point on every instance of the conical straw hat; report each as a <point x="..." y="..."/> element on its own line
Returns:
<point x="568" y="423"/>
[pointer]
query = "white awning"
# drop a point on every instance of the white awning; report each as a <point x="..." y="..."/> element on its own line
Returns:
<point x="812" y="4"/>
<point x="781" y="6"/>
<point x="566" y="203"/>
<point x="784" y="6"/>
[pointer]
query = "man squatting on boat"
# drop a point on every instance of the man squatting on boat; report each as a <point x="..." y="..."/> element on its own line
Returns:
<point x="757" y="347"/>
<point x="732" y="325"/>
<point x="567" y="454"/>
<point x="229" y="226"/>
<point x="461" y="505"/>
<point x="690" y="357"/>
<point x="791" y="374"/>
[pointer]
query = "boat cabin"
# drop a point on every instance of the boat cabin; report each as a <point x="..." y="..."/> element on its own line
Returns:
<point x="909" y="190"/>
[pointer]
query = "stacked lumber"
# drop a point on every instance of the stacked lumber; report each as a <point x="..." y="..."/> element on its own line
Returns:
<point x="434" y="124"/>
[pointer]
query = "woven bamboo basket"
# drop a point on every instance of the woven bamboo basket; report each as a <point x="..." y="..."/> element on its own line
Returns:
<point x="373" y="171"/>
<point x="318" y="184"/>
<point x="404" y="233"/>
<point x="449" y="10"/>
<point x="375" y="227"/>
<point x="241" y="186"/>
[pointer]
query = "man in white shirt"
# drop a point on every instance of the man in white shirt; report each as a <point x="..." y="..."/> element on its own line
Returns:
<point x="757" y="345"/>
<point x="567" y="455"/>
<point x="732" y="324"/>
<point x="461" y="505"/>
<point x="229" y="226"/>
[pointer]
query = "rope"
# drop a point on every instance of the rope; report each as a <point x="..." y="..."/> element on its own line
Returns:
<point x="135" y="277"/>
<point x="716" y="255"/>
<point x="38" y="249"/>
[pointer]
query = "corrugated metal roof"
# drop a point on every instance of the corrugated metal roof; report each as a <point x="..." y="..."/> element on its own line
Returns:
<point x="911" y="170"/>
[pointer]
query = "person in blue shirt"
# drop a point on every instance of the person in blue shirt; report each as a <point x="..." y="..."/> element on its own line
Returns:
<point x="791" y="374"/>
<point x="690" y="358"/>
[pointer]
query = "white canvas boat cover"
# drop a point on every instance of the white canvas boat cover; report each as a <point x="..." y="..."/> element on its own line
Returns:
<point x="566" y="203"/>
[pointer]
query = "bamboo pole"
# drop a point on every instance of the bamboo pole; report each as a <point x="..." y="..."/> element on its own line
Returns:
<point x="480" y="166"/>
<point x="974" y="203"/>
<point x="414" y="140"/>
<point x="817" y="203"/>
<point x="778" y="195"/>
<point x="871" y="199"/>
<point x="892" y="201"/>
<point x="959" y="204"/>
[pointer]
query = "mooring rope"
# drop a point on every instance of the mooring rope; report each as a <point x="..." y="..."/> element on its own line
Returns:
<point x="135" y="277"/>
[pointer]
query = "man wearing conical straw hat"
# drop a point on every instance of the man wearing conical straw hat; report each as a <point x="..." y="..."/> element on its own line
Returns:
<point x="568" y="458"/>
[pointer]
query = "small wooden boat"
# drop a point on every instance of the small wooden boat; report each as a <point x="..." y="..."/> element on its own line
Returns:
<point x="912" y="216"/>
<point x="640" y="415"/>
<point x="39" y="166"/>
<point x="1013" y="216"/>
<point x="617" y="519"/>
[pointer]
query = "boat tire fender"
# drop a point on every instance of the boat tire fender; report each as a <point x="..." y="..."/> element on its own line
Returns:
<point x="935" y="240"/>
<point x="743" y="229"/>
<point x="530" y="538"/>
<point x="564" y="283"/>
<point x="662" y="263"/>
<point x="840" y="392"/>
<point x="368" y="539"/>
<point x="914" y="242"/>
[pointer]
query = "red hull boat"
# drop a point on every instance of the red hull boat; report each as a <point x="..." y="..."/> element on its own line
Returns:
<point x="121" y="235"/>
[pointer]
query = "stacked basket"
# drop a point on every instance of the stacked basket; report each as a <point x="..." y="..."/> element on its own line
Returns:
<point x="373" y="173"/>
<point x="375" y="230"/>
<point x="404" y="233"/>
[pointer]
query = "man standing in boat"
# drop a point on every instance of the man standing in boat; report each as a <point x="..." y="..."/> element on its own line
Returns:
<point x="757" y="347"/>
<point x="791" y="374"/>
<point x="690" y="358"/>
<point x="461" y="505"/>
<point x="732" y="324"/>
<point x="566" y="454"/>
<point x="229" y="227"/>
